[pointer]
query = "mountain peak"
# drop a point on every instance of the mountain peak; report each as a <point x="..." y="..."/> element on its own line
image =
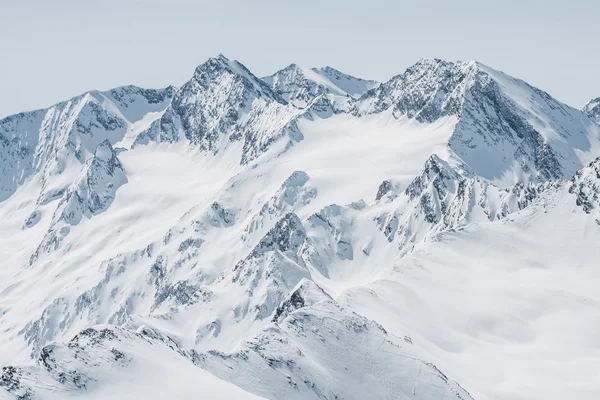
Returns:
<point x="523" y="128"/>
<point x="592" y="109"/>
<point x="222" y="62"/>
<point x="327" y="70"/>
<point x="104" y="151"/>
<point x="245" y="249"/>
<point x="432" y="62"/>
<point x="223" y="103"/>
<point x="213" y="70"/>
<point x="301" y="86"/>
<point x="218" y="59"/>
<point x="292" y="67"/>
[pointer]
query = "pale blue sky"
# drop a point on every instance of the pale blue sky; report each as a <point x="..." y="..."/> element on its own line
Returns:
<point x="53" y="50"/>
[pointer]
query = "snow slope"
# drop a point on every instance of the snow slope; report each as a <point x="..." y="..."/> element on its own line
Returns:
<point x="507" y="131"/>
<point x="516" y="298"/>
<point x="309" y="236"/>
<point x="107" y="362"/>
<point x="222" y="104"/>
<point x="55" y="141"/>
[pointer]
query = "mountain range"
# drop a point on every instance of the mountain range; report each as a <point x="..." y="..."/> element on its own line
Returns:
<point x="305" y="235"/>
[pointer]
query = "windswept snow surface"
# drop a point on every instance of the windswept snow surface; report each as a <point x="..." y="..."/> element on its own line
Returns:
<point x="310" y="235"/>
<point x="517" y="300"/>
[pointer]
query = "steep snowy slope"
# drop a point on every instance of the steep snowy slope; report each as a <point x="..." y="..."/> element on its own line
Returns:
<point x="91" y="193"/>
<point x="348" y="84"/>
<point x="385" y="246"/>
<point x="109" y="362"/>
<point x="592" y="108"/>
<point x="517" y="300"/>
<point x="507" y="131"/>
<point x="58" y="139"/>
<point x="324" y="351"/>
<point x="301" y="86"/>
<point x="222" y="104"/>
<point x="586" y="187"/>
<point x="165" y="250"/>
<point x="442" y="198"/>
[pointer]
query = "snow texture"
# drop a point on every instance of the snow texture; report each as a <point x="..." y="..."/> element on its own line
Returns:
<point x="307" y="235"/>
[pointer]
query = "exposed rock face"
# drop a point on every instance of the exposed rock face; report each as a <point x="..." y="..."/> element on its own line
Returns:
<point x="442" y="198"/>
<point x="305" y="294"/>
<point x="134" y="102"/>
<point x="90" y="194"/>
<point x="586" y="186"/>
<point x="95" y="188"/>
<point x="425" y="91"/>
<point x="301" y="86"/>
<point x="287" y="235"/>
<point x="286" y="355"/>
<point x="274" y="266"/>
<point x="46" y="141"/>
<point x="384" y="188"/>
<point x="350" y="85"/>
<point x="98" y="359"/>
<point x="523" y="137"/>
<point x="592" y="109"/>
<point x="222" y="103"/>
<point x="294" y="193"/>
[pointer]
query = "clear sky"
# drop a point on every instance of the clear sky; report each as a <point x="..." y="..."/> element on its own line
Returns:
<point x="53" y="50"/>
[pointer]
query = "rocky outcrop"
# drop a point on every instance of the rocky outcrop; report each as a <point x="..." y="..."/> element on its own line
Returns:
<point x="98" y="360"/>
<point x="302" y="86"/>
<point x="293" y="194"/>
<point x="223" y="103"/>
<point x="43" y="142"/>
<point x="524" y="138"/>
<point x="442" y="197"/>
<point x="95" y="188"/>
<point x="274" y="266"/>
<point x="90" y="194"/>
<point x="288" y="357"/>
<point x="305" y="294"/>
<point x="585" y="185"/>
<point x="592" y="109"/>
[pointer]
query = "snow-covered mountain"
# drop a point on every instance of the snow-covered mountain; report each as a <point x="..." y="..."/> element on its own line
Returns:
<point x="506" y="130"/>
<point x="441" y="198"/>
<point x="106" y="361"/>
<point x="301" y="86"/>
<point x="308" y="235"/>
<point x="592" y="108"/>
<point x="49" y="142"/>
<point x="91" y="193"/>
<point x="221" y="105"/>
